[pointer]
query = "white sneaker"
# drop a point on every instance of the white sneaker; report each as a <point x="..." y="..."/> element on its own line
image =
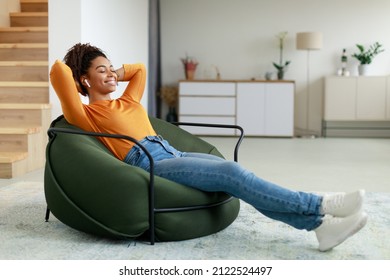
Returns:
<point x="334" y="231"/>
<point x="342" y="204"/>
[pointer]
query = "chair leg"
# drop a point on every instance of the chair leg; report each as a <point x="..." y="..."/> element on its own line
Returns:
<point x="47" y="214"/>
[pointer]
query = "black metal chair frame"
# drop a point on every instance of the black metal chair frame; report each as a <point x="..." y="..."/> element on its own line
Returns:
<point x="53" y="131"/>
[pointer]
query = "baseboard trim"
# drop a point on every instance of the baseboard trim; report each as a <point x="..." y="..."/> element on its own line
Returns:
<point x="367" y="129"/>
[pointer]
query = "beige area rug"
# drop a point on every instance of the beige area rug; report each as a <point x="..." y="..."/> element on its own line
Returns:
<point x="24" y="235"/>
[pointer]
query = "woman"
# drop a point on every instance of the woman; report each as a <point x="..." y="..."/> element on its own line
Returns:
<point x="88" y="71"/>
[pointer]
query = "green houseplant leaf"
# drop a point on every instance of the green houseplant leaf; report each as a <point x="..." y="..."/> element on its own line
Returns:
<point x="365" y="56"/>
<point x="280" y="66"/>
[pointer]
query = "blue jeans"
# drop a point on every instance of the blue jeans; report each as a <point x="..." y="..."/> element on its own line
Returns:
<point x="213" y="174"/>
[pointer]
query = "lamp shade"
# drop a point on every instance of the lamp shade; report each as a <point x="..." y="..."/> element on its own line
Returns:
<point x="309" y="40"/>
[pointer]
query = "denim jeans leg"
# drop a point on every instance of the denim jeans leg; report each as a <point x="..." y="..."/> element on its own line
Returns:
<point x="298" y="209"/>
<point x="210" y="173"/>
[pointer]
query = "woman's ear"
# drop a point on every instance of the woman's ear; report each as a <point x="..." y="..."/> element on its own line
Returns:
<point x="84" y="82"/>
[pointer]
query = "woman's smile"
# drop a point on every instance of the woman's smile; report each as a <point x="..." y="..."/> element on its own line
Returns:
<point x="111" y="82"/>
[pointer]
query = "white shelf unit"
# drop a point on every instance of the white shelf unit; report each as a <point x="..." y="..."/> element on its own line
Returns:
<point x="261" y="108"/>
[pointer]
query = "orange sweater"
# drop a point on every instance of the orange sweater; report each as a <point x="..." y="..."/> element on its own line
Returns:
<point x="124" y="115"/>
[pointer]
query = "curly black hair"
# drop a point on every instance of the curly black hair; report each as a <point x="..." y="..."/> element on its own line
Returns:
<point x="79" y="58"/>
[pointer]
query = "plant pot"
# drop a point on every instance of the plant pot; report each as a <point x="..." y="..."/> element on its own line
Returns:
<point x="280" y="74"/>
<point x="190" y="74"/>
<point x="363" y="69"/>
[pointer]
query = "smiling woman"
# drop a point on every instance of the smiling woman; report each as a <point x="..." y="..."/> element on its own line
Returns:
<point x="333" y="218"/>
<point x="86" y="64"/>
<point x="95" y="66"/>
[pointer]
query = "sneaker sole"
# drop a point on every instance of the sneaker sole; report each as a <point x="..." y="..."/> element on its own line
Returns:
<point x="357" y="227"/>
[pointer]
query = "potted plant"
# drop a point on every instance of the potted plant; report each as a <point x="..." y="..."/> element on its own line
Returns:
<point x="281" y="67"/>
<point x="190" y="65"/>
<point x="365" y="56"/>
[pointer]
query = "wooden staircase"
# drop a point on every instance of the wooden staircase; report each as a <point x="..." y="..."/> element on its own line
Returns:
<point x="25" y="112"/>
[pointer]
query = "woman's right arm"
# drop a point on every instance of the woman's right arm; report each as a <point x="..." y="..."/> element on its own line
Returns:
<point x="64" y="85"/>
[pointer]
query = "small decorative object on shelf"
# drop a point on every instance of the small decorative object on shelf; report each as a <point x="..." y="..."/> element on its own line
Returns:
<point x="344" y="63"/>
<point x="268" y="76"/>
<point x="190" y="65"/>
<point x="282" y="66"/>
<point x="170" y="96"/>
<point x="365" y="57"/>
<point x="218" y="73"/>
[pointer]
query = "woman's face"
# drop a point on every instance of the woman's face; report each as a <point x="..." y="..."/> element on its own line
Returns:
<point x="101" y="77"/>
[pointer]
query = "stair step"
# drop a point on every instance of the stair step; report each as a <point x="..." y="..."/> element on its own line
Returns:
<point x="13" y="164"/>
<point x="24" y="34"/>
<point x="25" y="114"/>
<point x="10" y="84"/>
<point x="9" y="157"/>
<point x="33" y="5"/>
<point x="19" y="129"/>
<point x="24" y="106"/>
<point x="19" y="139"/>
<point x="24" y="63"/>
<point x="23" y="128"/>
<point x="24" y="92"/>
<point x="24" y="71"/>
<point x="24" y="51"/>
<point x="17" y="106"/>
<point x="29" y="19"/>
<point x="22" y="138"/>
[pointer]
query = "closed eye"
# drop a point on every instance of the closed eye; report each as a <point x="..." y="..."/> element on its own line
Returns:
<point x="103" y="69"/>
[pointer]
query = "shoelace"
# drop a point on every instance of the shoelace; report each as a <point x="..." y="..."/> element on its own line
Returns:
<point x="334" y="202"/>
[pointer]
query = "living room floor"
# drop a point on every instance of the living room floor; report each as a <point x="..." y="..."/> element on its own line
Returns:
<point x="319" y="164"/>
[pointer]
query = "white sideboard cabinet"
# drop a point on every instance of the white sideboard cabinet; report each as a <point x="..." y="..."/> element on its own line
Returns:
<point x="266" y="108"/>
<point x="262" y="108"/>
<point x="357" y="106"/>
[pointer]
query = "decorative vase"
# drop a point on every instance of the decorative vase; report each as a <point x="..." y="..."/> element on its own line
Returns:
<point x="190" y="65"/>
<point x="363" y="69"/>
<point x="268" y="76"/>
<point x="172" y="115"/>
<point x="190" y="74"/>
<point x="280" y="74"/>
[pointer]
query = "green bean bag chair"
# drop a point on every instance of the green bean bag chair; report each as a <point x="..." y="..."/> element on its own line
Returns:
<point x="90" y="190"/>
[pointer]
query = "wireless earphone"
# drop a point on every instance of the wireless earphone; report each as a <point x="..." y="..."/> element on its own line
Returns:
<point x="86" y="82"/>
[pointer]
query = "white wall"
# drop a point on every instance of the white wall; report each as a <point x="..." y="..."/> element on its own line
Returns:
<point x="118" y="27"/>
<point x="239" y="37"/>
<point x="236" y="35"/>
